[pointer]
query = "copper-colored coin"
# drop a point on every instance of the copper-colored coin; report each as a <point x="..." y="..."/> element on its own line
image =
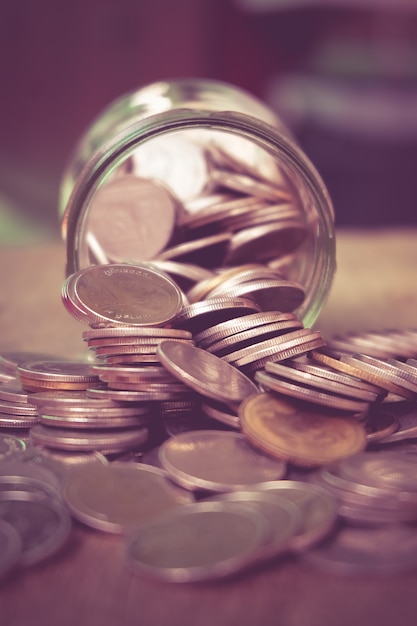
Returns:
<point x="288" y="431"/>
<point x="205" y="373"/>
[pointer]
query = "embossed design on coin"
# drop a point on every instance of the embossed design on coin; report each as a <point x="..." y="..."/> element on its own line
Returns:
<point x="126" y="294"/>
<point x="304" y="437"/>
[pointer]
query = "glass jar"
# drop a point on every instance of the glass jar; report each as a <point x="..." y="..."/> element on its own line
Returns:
<point x="166" y="130"/>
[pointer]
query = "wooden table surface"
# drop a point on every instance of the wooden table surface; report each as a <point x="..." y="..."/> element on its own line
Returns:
<point x="89" y="584"/>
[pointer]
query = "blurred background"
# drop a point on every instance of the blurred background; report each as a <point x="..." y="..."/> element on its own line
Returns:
<point x="341" y="73"/>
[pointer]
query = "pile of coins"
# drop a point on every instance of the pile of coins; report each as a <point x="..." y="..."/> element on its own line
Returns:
<point x="165" y="434"/>
<point x="208" y="426"/>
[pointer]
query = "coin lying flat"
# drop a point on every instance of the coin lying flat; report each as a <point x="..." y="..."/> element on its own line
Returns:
<point x="319" y="509"/>
<point x="364" y="550"/>
<point x="293" y="433"/>
<point x="203" y="541"/>
<point x="125" y="294"/>
<point x="283" y="515"/>
<point x="118" y="497"/>
<point x="217" y="461"/>
<point x="205" y="373"/>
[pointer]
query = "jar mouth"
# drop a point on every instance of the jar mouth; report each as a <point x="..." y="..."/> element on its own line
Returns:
<point x="279" y="147"/>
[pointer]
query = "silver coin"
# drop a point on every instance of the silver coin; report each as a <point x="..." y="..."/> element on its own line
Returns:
<point x="265" y="242"/>
<point x="248" y="185"/>
<point x="17" y="408"/>
<point x="119" y="497"/>
<point x="10" y="548"/>
<point x="205" y="373"/>
<point x="357" y="550"/>
<point x="17" y="474"/>
<point x="241" y="324"/>
<point x="217" y="461"/>
<point x="209" y="252"/>
<point x="135" y="331"/>
<point x="174" y="160"/>
<point x="132" y="218"/>
<point x="65" y="371"/>
<point x="104" y="441"/>
<point x="284" y="517"/>
<point x="203" y="541"/>
<point x="10" y="446"/>
<point x="289" y="373"/>
<point x="270" y="295"/>
<point x="318" y="507"/>
<point x="43" y="525"/>
<point x="221" y="413"/>
<point x="277" y="385"/>
<point x="126" y="294"/>
<point x="272" y="347"/>
<point x="201" y="315"/>
<point x="12" y="391"/>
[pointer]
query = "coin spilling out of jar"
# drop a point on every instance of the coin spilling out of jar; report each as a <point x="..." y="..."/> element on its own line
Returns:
<point x="196" y="179"/>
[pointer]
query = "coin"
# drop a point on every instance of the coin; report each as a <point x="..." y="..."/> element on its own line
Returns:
<point x="292" y="432"/>
<point x="126" y="294"/>
<point x="217" y="461"/>
<point x="356" y="550"/>
<point x="174" y="160"/>
<point x="199" y="542"/>
<point x="266" y="241"/>
<point x="43" y="525"/>
<point x="105" y="441"/>
<point x="57" y="371"/>
<point x="209" y="252"/>
<point x="205" y="373"/>
<point x="390" y="382"/>
<point x="118" y="497"/>
<point x="309" y="380"/>
<point x="283" y="515"/>
<point x="132" y="218"/>
<point x="10" y="548"/>
<point x="318" y="507"/>
<point x="242" y="324"/>
<point x="270" y="295"/>
<point x="248" y="185"/>
<point x="201" y="315"/>
<point x="10" y="446"/>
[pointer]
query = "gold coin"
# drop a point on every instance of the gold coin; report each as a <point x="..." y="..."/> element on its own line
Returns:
<point x="297" y="434"/>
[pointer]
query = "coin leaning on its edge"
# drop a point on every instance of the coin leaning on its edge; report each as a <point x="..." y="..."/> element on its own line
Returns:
<point x="123" y="294"/>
